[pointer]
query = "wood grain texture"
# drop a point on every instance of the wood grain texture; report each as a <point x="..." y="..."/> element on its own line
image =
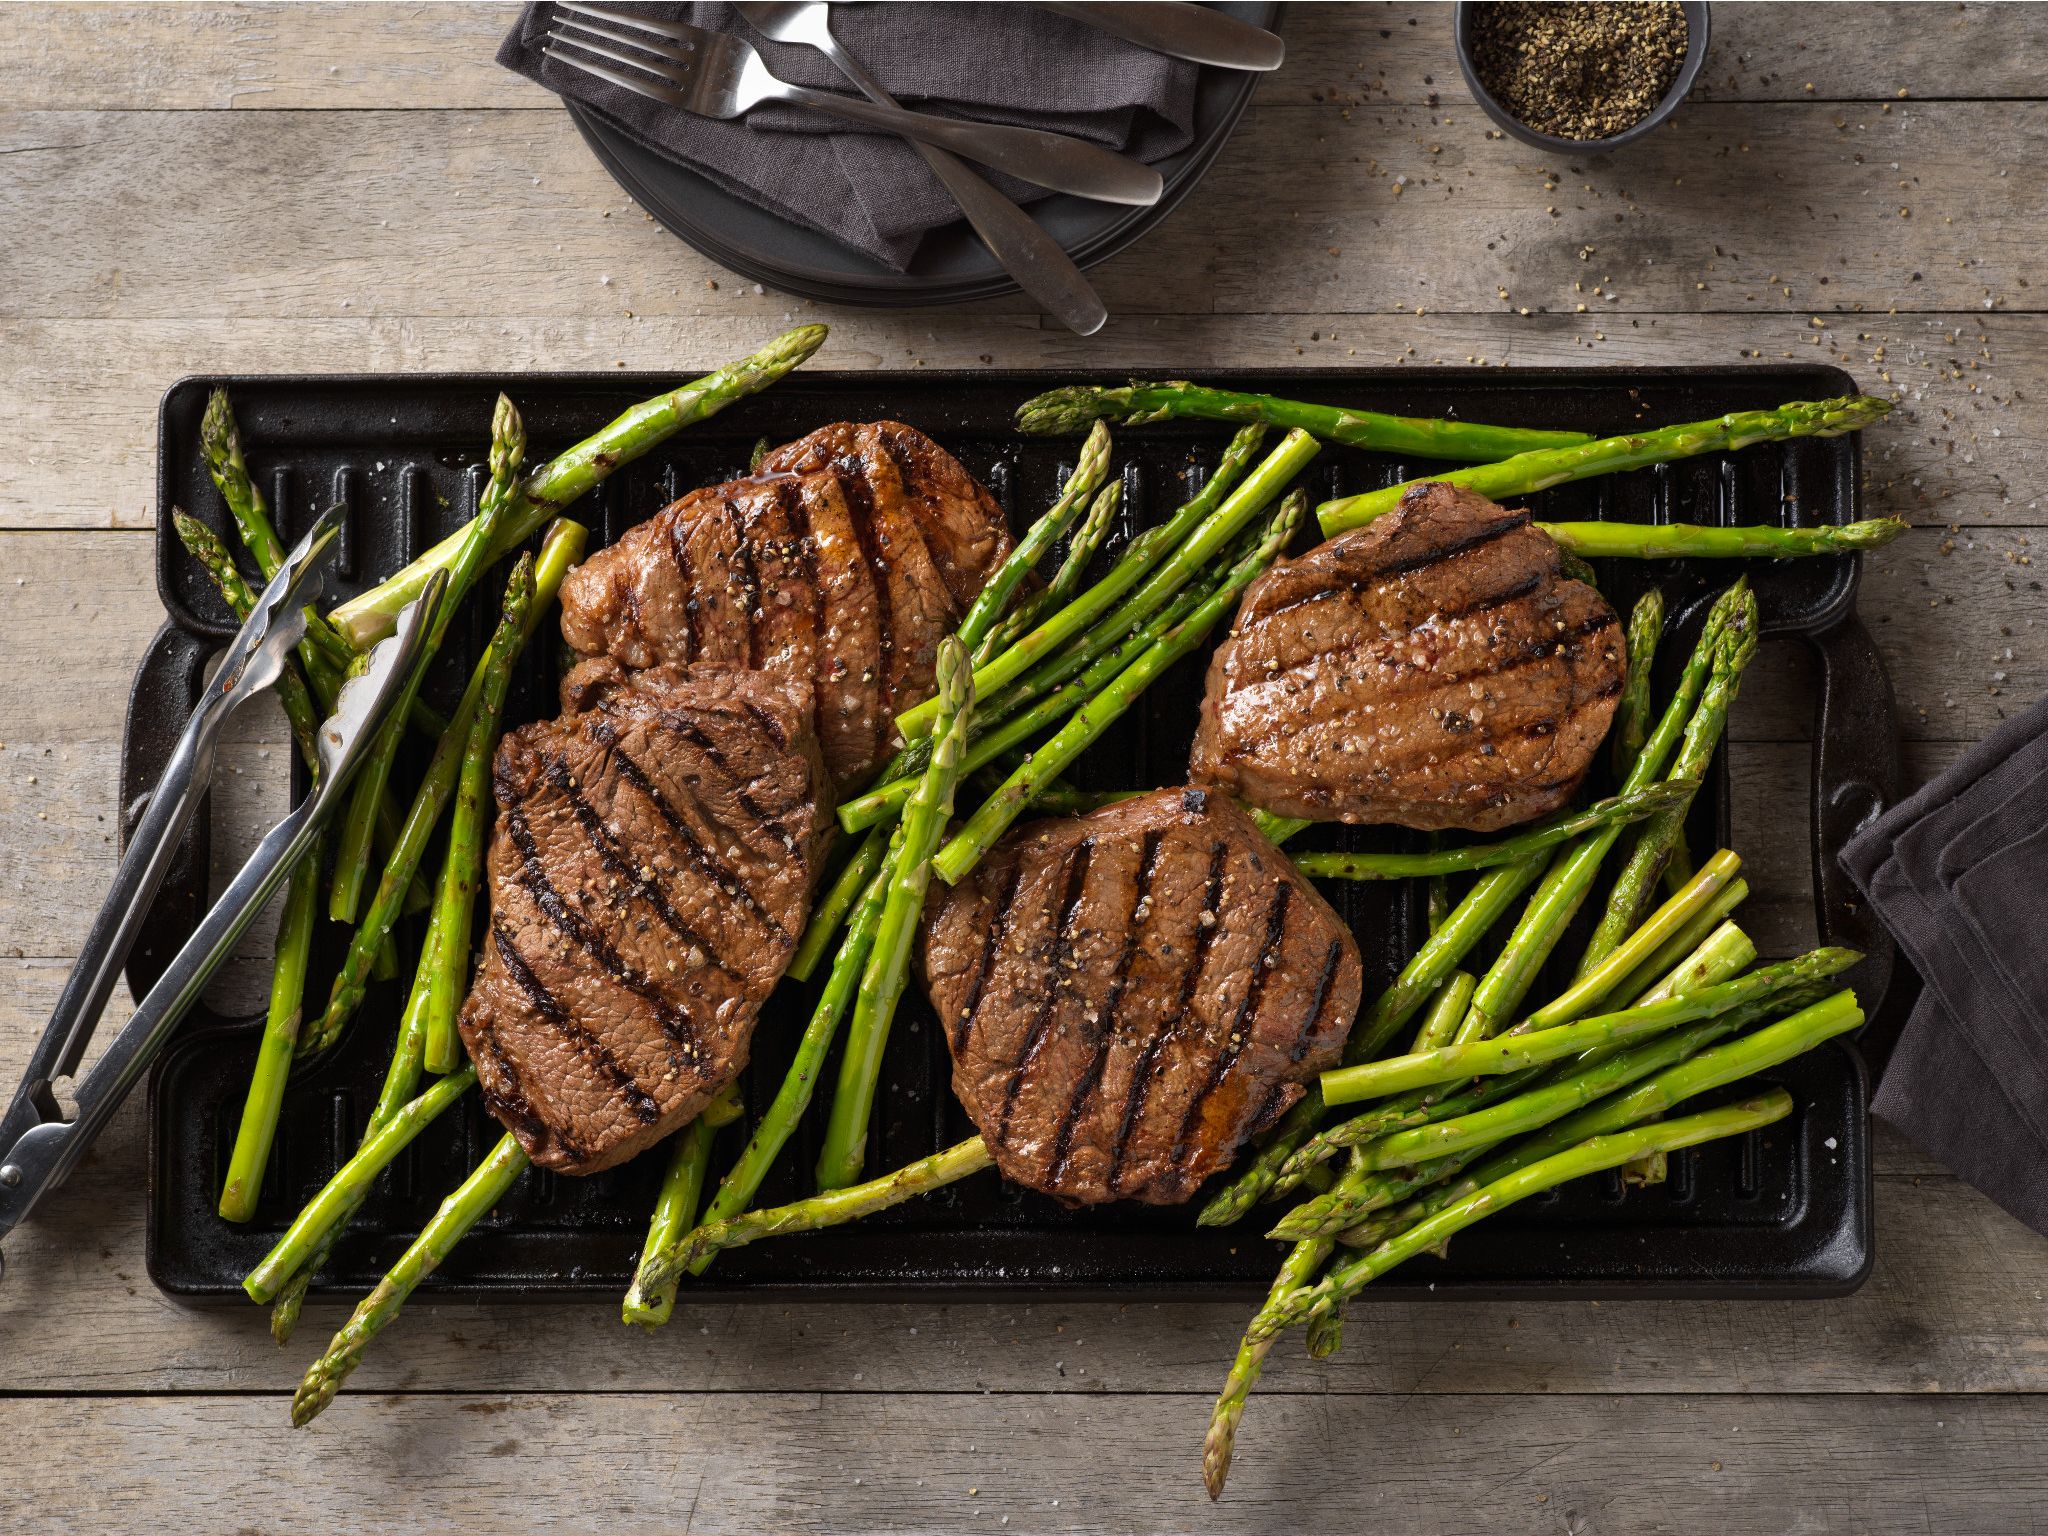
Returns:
<point x="325" y="187"/>
<point x="945" y="1462"/>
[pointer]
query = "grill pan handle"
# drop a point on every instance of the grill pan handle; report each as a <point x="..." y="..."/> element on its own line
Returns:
<point x="1855" y="778"/>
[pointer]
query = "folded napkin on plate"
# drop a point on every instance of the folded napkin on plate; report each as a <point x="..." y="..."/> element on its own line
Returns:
<point x="992" y="63"/>
<point x="1959" y="874"/>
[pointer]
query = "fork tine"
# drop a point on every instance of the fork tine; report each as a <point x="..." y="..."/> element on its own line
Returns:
<point x="681" y="33"/>
<point x="627" y="39"/>
<point x="645" y="88"/>
<point x="624" y="40"/>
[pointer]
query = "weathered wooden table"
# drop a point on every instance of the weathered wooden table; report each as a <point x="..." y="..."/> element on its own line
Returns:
<point x="327" y="187"/>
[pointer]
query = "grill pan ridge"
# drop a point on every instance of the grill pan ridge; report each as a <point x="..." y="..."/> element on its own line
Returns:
<point x="1785" y="1212"/>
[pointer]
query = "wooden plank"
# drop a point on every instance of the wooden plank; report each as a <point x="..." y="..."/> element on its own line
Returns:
<point x="1967" y="443"/>
<point x="273" y="57"/>
<point x="1014" y="1463"/>
<point x="1740" y="208"/>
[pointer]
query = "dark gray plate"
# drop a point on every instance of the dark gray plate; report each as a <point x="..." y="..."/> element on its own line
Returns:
<point x="951" y="266"/>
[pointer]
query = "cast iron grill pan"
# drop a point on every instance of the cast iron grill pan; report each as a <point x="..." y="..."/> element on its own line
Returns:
<point x="1783" y="1212"/>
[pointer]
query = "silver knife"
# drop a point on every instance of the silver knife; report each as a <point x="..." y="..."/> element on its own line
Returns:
<point x="1181" y="31"/>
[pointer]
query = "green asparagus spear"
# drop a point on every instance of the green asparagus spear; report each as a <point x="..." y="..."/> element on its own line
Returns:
<point x="352" y="850"/>
<point x="1595" y="986"/>
<point x="461" y="875"/>
<point x="1526" y="473"/>
<point x="1296" y="1270"/>
<point x="1056" y="594"/>
<point x="830" y="1209"/>
<point x="494" y="675"/>
<point x="1570" y="877"/>
<point x="1590" y="1156"/>
<point x="1636" y="886"/>
<point x="1087" y="724"/>
<point x="675" y="1208"/>
<point x="993" y="601"/>
<point x="1632" y="714"/>
<point x="458" y="1213"/>
<point x="343" y="1193"/>
<point x="251" y="1154"/>
<point x="1195" y="539"/>
<point x="1469" y="922"/>
<point x="840" y="898"/>
<point x="844" y="1147"/>
<point x="1692" y="541"/>
<point x="550" y="489"/>
<point x="1138" y="404"/>
<point x="1511" y="1053"/>
<point x="1538" y="837"/>
<point x="742" y="1181"/>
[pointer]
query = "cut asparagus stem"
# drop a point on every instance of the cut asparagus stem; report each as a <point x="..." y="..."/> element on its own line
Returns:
<point x="1632" y="714"/>
<point x="742" y="1182"/>
<point x="1069" y="409"/>
<point x="1195" y="539"/>
<point x="550" y="489"/>
<point x="1527" y="473"/>
<point x="1675" y="949"/>
<point x="844" y="1149"/>
<point x="1087" y="724"/>
<point x="1570" y="878"/>
<point x="1591" y="1156"/>
<point x="343" y="1193"/>
<point x="1469" y="922"/>
<point x="434" y="790"/>
<point x="839" y="899"/>
<point x="675" y="1208"/>
<point x="458" y="1213"/>
<point x="1595" y="986"/>
<point x="1636" y="886"/>
<point x="1618" y="810"/>
<point x="833" y="1208"/>
<point x="352" y="847"/>
<point x="251" y="1154"/>
<point x="1511" y="1053"/>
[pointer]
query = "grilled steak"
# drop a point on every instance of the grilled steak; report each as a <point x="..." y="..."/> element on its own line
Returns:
<point x="1130" y="994"/>
<point x="839" y="564"/>
<point x="1434" y="669"/>
<point x="650" y="872"/>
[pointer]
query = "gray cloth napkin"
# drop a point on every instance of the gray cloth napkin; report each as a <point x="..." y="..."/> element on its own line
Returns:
<point x="992" y="63"/>
<point x="1959" y="874"/>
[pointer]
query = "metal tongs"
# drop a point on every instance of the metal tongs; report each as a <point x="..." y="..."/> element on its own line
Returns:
<point x="39" y="1145"/>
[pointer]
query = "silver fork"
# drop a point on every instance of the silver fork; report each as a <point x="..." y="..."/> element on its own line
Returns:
<point x="1013" y="237"/>
<point x="715" y="74"/>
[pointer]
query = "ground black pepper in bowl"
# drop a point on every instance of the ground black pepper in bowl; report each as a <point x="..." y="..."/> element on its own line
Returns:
<point x="1579" y="69"/>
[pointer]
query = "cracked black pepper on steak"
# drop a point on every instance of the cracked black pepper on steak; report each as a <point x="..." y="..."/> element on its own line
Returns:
<point x="1579" y="69"/>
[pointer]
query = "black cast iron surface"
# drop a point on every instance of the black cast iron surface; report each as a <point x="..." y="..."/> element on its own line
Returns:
<point x="1784" y="1212"/>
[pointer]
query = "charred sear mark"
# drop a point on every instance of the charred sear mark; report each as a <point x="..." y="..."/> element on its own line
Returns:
<point x="1134" y="926"/>
<point x="1058" y="964"/>
<point x="1191" y="980"/>
<point x="999" y="930"/>
<point x="593" y="1050"/>
<point x="741" y="566"/>
<point x="617" y="863"/>
<point x="679" y="551"/>
<point x="573" y="926"/>
<point x="1243" y="1026"/>
<point x="1481" y="535"/>
<point x="726" y="879"/>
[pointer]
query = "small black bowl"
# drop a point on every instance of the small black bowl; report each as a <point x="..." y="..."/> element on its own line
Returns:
<point x="1695" y="56"/>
